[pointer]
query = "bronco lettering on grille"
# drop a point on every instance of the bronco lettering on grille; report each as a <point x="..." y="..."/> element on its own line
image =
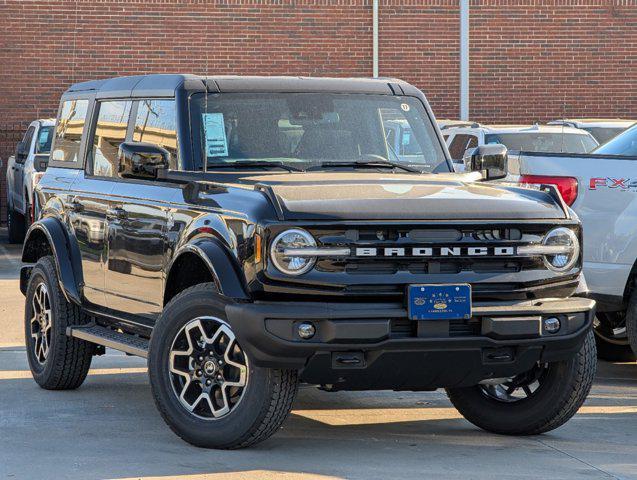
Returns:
<point x="434" y="251"/>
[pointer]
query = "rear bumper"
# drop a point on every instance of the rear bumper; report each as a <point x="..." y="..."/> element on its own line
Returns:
<point x="374" y="346"/>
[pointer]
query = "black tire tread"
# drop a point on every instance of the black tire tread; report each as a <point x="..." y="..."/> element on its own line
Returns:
<point x="72" y="356"/>
<point x="631" y="321"/>
<point x="285" y="386"/>
<point x="568" y="405"/>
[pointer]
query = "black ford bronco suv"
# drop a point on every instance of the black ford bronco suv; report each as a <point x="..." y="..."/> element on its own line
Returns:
<point x="246" y="234"/>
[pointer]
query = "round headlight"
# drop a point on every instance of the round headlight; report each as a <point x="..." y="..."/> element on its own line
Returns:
<point x="292" y="239"/>
<point x="566" y="248"/>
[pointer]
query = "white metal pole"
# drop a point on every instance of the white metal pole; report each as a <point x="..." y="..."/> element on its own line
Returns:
<point x="464" y="59"/>
<point x="375" y="38"/>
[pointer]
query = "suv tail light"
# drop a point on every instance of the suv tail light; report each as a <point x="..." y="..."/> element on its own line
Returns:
<point x="567" y="186"/>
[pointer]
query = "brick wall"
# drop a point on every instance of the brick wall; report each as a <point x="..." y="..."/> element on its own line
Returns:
<point x="531" y="60"/>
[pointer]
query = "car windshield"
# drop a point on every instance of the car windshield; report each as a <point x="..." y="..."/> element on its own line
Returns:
<point x="604" y="134"/>
<point x="544" y="142"/>
<point x="43" y="145"/>
<point x="623" y="144"/>
<point x="307" y="130"/>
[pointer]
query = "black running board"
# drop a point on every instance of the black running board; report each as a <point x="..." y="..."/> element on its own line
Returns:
<point x="124" y="342"/>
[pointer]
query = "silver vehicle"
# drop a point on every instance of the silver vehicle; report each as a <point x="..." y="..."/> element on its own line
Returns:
<point x="603" y="129"/>
<point x="24" y="170"/>
<point x="534" y="138"/>
<point x="602" y="189"/>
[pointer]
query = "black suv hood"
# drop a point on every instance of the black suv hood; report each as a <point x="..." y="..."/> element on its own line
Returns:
<point x="373" y="196"/>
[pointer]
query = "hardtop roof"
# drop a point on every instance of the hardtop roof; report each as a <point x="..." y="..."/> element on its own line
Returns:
<point x="165" y="85"/>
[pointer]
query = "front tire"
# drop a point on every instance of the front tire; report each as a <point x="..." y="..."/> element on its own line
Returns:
<point x="532" y="403"/>
<point x="611" y="337"/>
<point x="204" y="384"/>
<point x="57" y="362"/>
<point x="631" y="321"/>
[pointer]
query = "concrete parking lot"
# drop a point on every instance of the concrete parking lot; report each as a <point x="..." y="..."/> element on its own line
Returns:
<point x="109" y="428"/>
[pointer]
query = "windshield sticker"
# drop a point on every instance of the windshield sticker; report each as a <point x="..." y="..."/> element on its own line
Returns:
<point x="405" y="107"/>
<point x="215" y="131"/>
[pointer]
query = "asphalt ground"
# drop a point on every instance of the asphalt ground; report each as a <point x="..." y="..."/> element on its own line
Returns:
<point x="109" y="428"/>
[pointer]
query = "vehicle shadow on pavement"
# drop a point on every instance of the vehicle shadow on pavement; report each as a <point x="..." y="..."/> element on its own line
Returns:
<point x="109" y="428"/>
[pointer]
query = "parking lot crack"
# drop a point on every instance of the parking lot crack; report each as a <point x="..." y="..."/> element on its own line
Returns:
<point x="608" y="474"/>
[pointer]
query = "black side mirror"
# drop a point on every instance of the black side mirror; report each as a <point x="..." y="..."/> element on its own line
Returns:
<point x="21" y="152"/>
<point x="142" y="160"/>
<point x="490" y="160"/>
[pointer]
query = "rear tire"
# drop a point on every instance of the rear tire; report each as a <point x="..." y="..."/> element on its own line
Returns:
<point x="562" y="391"/>
<point x="631" y="322"/>
<point x="194" y="358"/>
<point x="611" y="347"/>
<point x="57" y="362"/>
<point x="15" y="225"/>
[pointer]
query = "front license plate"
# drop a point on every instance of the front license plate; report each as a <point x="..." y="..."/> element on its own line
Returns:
<point x="439" y="302"/>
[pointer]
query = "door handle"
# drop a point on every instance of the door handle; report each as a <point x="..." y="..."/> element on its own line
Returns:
<point x="116" y="212"/>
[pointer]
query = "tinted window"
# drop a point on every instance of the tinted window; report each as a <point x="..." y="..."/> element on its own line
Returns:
<point x="544" y="142"/>
<point x="45" y="137"/>
<point x="623" y="144"/>
<point x="68" y="132"/>
<point x="26" y="141"/>
<point x="604" y="134"/>
<point x="110" y="131"/>
<point x="156" y="123"/>
<point x="308" y="130"/>
<point x="460" y="143"/>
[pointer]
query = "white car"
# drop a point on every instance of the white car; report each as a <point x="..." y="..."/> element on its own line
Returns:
<point x="530" y="138"/>
<point x="603" y="129"/>
<point x="24" y="170"/>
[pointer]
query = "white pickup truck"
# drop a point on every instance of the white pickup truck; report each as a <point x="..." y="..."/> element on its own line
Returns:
<point x="602" y="189"/>
<point x="24" y="170"/>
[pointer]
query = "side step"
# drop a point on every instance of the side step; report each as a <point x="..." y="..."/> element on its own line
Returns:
<point x="123" y="342"/>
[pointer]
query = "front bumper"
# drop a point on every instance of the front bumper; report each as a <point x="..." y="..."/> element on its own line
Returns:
<point x="374" y="346"/>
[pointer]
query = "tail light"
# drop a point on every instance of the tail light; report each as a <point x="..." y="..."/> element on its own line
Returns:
<point x="567" y="186"/>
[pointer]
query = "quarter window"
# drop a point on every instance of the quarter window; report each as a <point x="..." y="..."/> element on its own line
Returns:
<point x="156" y="123"/>
<point x="110" y="131"/>
<point x="68" y="132"/>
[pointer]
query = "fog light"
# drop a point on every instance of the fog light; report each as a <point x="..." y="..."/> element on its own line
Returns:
<point x="551" y="325"/>
<point x="306" y="330"/>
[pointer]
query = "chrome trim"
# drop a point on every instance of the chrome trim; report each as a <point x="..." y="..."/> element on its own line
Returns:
<point x="545" y="249"/>
<point x="317" y="252"/>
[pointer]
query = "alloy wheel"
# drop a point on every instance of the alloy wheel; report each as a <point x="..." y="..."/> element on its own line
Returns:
<point x="208" y="369"/>
<point x="41" y="322"/>
<point x="518" y="388"/>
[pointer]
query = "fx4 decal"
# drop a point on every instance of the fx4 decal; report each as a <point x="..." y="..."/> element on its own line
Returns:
<point x="608" y="182"/>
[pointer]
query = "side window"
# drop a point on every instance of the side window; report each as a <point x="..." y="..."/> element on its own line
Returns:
<point x="110" y="131"/>
<point x="45" y="136"/>
<point x="68" y="132"/>
<point x="156" y="123"/>
<point x="459" y="145"/>
<point x="26" y="141"/>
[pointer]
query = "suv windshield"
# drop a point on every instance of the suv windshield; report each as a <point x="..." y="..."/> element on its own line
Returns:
<point x="304" y="130"/>
<point x="43" y="145"/>
<point x="544" y="142"/>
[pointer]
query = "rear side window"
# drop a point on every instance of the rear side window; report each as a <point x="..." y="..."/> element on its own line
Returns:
<point x="110" y="131"/>
<point x="460" y="144"/>
<point x="156" y="123"/>
<point x="45" y="136"/>
<point x="68" y="132"/>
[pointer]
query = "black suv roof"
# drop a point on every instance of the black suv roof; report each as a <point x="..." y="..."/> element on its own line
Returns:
<point x="164" y="85"/>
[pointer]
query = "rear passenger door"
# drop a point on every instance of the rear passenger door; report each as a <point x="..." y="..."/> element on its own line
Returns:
<point x="18" y="172"/>
<point x="137" y="216"/>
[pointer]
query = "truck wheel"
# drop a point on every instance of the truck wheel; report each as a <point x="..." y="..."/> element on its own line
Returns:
<point x="631" y="321"/>
<point x="612" y="346"/>
<point x="203" y="383"/>
<point x="57" y="362"/>
<point x="15" y="226"/>
<point x="534" y="402"/>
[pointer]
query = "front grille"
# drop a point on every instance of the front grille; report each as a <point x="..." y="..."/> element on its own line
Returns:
<point x="409" y="238"/>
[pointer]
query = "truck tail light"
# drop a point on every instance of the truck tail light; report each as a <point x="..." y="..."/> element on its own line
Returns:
<point x="567" y="186"/>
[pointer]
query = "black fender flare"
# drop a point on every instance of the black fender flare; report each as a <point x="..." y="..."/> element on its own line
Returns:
<point x="66" y="253"/>
<point x="227" y="274"/>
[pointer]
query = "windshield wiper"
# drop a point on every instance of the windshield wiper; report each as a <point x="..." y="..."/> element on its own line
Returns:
<point x="375" y="163"/>
<point x="255" y="164"/>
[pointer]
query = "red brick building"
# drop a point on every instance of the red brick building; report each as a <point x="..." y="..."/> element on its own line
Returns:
<point x="530" y="60"/>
